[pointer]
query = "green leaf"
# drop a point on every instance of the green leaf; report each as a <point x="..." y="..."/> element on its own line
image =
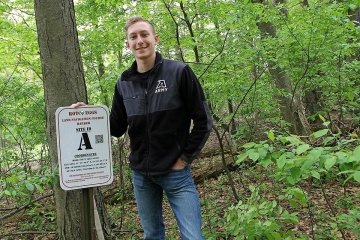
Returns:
<point x="241" y="157"/>
<point x="249" y="145"/>
<point x="39" y="187"/>
<point x="294" y="140"/>
<point x="12" y="179"/>
<point x="326" y="123"/>
<point x="30" y="186"/>
<point x="302" y="148"/>
<point x="320" y="133"/>
<point x="315" y="174"/>
<point x="7" y="192"/>
<point x="266" y="161"/>
<point x="13" y="193"/>
<point x="356" y="153"/>
<point x="316" y="153"/>
<point x="254" y="155"/>
<point x="281" y="161"/>
<point x="330" y="162"/>
<point x="356" y="176"/>
<point x="308" y="163"/>
<point x="271" y="135"/>
<point x="299" y="195"/>
<point x="263" y="152"/>
<point x="295" y="173"/>
<point x="322" y="118"/>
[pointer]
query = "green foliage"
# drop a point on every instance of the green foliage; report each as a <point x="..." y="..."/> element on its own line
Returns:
<point x="317" y="46"/>
<point x="42" y="218"/>
<point x="294" y="160"/>
<point x="259" y="218"/>
<point x="350" y="221"/>
<point x="21" y="186"/>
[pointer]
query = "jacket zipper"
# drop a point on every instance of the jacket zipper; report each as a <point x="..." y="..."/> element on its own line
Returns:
<point x="148" y="86"/>
<point x="147" y="130"/>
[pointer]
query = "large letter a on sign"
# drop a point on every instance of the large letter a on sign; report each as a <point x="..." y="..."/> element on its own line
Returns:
<point x="86" y="143"/>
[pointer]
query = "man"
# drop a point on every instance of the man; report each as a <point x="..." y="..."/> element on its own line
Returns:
<point x="155" y="100"/>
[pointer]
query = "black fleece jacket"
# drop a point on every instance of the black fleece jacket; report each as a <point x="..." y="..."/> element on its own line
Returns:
<point x="157" y="108"/>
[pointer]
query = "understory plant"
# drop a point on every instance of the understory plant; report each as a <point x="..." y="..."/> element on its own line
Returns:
<point x="297" y="167"/>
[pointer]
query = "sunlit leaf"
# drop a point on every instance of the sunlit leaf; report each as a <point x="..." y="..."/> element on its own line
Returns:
<point x="356" y="176"/>
<point x="320" y="133"/>
<point x="302" y="148"/>
<point x="356" y="153"/>
<point x="241" y="157"/>
<point x="271" y="135"/>
<point x="249" y="145"/>
<point x="315" y="174"/>
<point x="254" y="155"/>
<point x="30" y="186"/>
<point x="329" y="162"/>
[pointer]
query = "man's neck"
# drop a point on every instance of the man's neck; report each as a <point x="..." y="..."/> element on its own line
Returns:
<point x="144" y="65"/>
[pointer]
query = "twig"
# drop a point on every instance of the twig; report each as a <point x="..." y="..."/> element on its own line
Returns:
<point x="241" y="102"/>
<point x="231" y="181"/>
<point x="191" y="31"/>
<point x="24" y="207"/>
<point x="219" y="53"/>
<point x="332" y="210"/>
<point x="27" y="233"/>
<point x="177" y="31"/>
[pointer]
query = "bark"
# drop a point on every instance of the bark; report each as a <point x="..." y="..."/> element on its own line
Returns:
<point x="312" y="100"/>
<point x="100" y="75"/>
<point x="355" y="16"/>
<point x="232" y="125"/>
<point x="64" y="84"/>
<point x="305" y="3"/>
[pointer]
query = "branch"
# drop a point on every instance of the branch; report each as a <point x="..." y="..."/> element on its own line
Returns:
<point x="2" y="218"/>
<point x="26" y="233"/>
<point x="212" y="61"/>
<point x="231" y="181"/>
<point x="189" y="25"/>
<point x="9" y="78"/>
<point x="332" y="210"/>
<point x="241" y="102"/>
<point x="177" y="30"/>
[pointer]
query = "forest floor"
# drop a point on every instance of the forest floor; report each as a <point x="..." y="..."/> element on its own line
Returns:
<point x="38" y="221"/>
<point x="216" y="197"/>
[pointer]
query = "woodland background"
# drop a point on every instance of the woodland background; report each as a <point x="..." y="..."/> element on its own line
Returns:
<point x="282" y="81"/>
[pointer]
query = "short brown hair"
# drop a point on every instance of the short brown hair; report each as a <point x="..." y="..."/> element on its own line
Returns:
<point x="136" y="19"/>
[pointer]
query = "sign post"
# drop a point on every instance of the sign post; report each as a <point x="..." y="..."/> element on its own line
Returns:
<point x="84" y="154"/>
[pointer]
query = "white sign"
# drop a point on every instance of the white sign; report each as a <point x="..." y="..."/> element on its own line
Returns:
<point x="84" y="147"/>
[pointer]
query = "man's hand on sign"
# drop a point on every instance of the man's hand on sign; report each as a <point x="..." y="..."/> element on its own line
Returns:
<point x="77" y="105"/>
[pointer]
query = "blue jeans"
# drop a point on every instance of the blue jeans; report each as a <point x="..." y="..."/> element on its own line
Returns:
<point x="181" y="192"/>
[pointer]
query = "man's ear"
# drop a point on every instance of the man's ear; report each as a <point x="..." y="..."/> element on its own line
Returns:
<point x="127" y="43"/>
<point x="157" y="39"/>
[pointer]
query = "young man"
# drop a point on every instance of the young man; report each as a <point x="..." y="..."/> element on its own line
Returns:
<point x="155" y="100"/>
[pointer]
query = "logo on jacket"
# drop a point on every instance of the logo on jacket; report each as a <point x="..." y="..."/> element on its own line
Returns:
<point x="161" y="86"/>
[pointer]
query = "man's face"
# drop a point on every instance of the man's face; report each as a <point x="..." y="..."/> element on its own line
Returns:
<point x="141" y="40"/>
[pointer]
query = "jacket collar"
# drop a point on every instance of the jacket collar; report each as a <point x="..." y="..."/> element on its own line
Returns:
<point x="133" y="68"/>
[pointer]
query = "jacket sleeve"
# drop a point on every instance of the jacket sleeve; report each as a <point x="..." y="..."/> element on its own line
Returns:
<point x="198" y="110"/>
<point x="118" y="117"/>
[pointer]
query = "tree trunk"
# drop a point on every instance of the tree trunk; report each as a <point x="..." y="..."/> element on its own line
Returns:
<point x="355" y="16"/>
<point x="64" y="84"/>
<point x="292" y="108"/>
